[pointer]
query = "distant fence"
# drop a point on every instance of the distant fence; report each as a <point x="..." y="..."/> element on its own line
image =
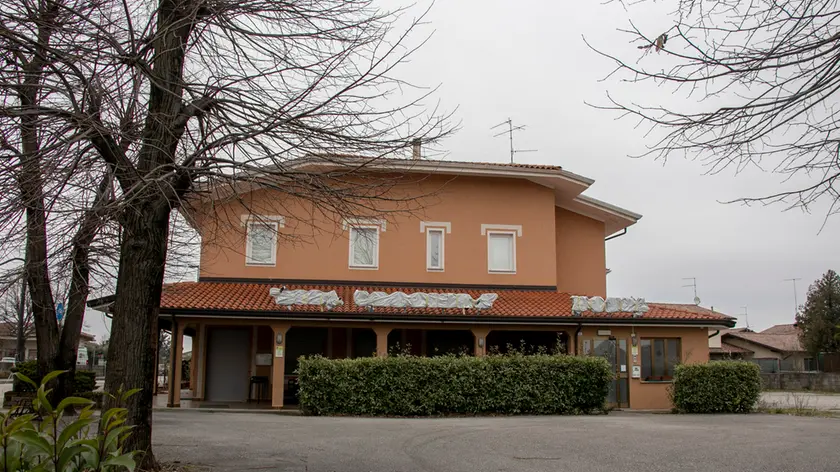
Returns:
<point x="819" y="381"/>
<point x="830" y="362"/>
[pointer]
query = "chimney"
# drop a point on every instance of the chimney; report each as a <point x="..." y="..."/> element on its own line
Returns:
<point x="415" y="149"/>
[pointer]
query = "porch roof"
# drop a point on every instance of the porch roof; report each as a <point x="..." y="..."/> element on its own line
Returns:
<point x="252" y="299"/>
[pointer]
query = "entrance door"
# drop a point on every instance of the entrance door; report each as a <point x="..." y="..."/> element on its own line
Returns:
<point x="615" y="351"/>
<point x="228" y="361"/>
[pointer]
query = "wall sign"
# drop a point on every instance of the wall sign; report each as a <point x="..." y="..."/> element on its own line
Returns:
<point x="278" y="351"/>
<point x="637" y="372"/>
<point x="263" y="359"/>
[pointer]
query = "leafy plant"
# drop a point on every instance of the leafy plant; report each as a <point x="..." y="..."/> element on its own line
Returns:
<point x="716" y="387"/>
<point x="53" y="442"/>
<point x="419" y="386"/>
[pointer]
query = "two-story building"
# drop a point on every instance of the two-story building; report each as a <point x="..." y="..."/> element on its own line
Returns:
<point x="486" y="257"/>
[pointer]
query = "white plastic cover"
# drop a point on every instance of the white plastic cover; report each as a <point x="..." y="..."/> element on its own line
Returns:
<point x="596" y="304"/>
<point x="579" y="304"/>
<point x="306" y="297"/>
<point x="637" y="306"/>
<point x="424" y="300"/>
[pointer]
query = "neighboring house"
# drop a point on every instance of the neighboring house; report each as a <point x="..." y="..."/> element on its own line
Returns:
<point x="494" y="258"/>
<point x="8" y="341"/>
<point x="776" y="349"/>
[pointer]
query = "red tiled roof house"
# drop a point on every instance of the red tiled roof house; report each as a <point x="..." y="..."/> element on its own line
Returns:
<point x="486" y="256"/>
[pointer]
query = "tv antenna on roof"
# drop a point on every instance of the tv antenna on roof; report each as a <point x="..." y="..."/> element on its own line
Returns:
<point x="693" y="285"/>
<point x="746" y="317"/>
<point x="795" y="299"/>
<point x="509" y="132"/>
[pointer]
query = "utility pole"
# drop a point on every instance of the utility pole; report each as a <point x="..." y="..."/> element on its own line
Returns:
<point x="509" y="132"/>
<point x="746" y="316"/>
<point x="795" y="299"/>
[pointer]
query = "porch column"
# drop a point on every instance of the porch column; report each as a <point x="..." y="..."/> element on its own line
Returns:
<point x="194" y="362"/>
<point x="278" y="367"/>
<point x="176" y="347"/>
<point x="382" y="340"/>
<point x="480" y="333"/>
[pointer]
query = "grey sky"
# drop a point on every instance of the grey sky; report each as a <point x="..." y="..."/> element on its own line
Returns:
<point x="527" y="60"/>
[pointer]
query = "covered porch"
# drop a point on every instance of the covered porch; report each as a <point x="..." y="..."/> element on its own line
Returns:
<point x="237" y="364"/>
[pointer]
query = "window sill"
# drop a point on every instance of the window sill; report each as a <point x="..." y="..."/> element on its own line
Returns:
<point x="363" y="267"/>
<point x="430" y="269"/>
<point x="261" y="264"/>
<point x="503" y="272"/>
<point x="657" y="381"/>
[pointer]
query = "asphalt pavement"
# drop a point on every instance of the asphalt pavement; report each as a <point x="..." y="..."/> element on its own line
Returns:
<point x="616" y="442"/>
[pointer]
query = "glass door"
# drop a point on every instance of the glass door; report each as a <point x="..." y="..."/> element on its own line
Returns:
<point x="615" y="352"/>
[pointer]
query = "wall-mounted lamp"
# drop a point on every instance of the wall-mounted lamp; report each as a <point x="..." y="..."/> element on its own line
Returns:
<point x="481" y="342"/>
<point x="279" y="338"/>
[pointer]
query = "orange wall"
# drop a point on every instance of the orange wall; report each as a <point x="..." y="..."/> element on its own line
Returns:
<point x="581" y="259"/>
<point x="315" y="246"/>
<point x="654" y="395"/>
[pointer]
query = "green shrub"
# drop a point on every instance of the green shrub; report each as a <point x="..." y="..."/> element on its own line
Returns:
<point x="84" y="381"/>
<point x="28" y="369"/>
<point x="58" y="443"/>
<point x="418" y="386"/>
<point x="716" y="387"/>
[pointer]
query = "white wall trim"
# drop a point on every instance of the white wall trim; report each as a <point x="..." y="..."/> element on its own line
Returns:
<point x="363" y="222"/>
<point x="511" y="232"/>
<point x="516" y="228"/>
<point x="280" y="220"/>
<point x="436" y="224"/>
<point x="350" y="251"/>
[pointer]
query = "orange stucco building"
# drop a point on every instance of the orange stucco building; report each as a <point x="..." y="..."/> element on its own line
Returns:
<point x="281" y="276"/>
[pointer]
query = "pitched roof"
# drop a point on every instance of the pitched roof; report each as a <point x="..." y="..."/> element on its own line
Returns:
<point x="247" y="297"/>
<point x="726" y="348"/>
<point x="782" y="329"/>
<point x="776" y="342"/>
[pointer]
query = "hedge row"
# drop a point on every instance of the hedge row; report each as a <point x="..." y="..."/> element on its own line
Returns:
<point x="716" y="387"/>
<point x="84" y="381"/>
<point x="420" y="386"/>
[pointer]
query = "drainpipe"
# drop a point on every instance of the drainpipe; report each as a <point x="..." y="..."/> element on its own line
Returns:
<point x="617" y="235"/>
<point x="714" y="334"/>
<point x="577" y="334"/>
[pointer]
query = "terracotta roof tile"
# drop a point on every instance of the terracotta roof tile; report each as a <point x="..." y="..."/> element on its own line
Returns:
<point x="254" y="297"/>
<point x="777" y="342"/>
<point x="782" y="329"/>
<point x="726" y="348"/>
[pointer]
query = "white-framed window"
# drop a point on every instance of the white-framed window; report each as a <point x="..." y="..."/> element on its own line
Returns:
<point x="261" y="247"/>
<point x="364" y="247"/>
<point x="434" y="249"/>
<point x="501" y="252"/>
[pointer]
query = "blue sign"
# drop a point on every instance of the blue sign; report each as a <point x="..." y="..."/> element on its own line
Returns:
<point x="59" y="311"/>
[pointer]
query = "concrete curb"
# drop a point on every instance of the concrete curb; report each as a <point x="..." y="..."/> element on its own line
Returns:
<point x="230" y="410"/>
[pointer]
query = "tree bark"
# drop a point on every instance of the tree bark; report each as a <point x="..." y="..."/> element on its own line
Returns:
<point x="20" y="347"/>
<point x="131" y="360"/>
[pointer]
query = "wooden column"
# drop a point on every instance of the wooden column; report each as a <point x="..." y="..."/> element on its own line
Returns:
<point x="382" y="340"/>
<point x="196" y="339"/>
<point x="480" y="340"/>
<point x="177" y="347"/>
<point x="278" y="365"/>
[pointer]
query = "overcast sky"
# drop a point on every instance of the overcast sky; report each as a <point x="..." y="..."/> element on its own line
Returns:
<point x="527" y="60"/>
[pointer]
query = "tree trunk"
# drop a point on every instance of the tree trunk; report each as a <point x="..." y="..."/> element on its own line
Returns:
<point x="131" y="359"/>
<point x="20" y="347"/>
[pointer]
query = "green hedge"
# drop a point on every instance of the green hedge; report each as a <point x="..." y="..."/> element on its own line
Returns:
<point x="85" y="380"/>
<point x="419" y="386"/>
<point x="716" y="387"/>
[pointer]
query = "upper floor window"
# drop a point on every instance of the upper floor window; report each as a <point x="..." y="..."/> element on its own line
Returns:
<point x="364" y="247"/>
<point x="262" y="243"/>
<point x="501" y="247"/>
<point x="659" y="357"/>
<point x="435" y="238"/>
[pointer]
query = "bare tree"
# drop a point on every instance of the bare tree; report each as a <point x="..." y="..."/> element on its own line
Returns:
<point x="761" y="79"/>
<point x="17" y="318"/>
<point x="184" y="98"/>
